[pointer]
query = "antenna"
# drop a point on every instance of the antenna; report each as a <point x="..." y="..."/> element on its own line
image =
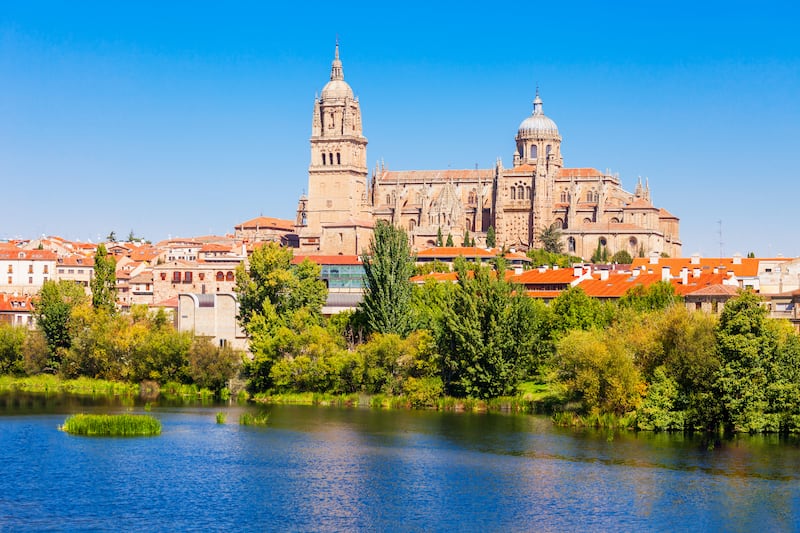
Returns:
<point x="719" y="232"/>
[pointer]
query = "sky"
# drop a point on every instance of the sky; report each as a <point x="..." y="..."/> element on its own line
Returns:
<point x="186" y="118"/>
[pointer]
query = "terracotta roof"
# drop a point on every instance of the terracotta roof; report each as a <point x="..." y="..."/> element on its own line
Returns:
<point x="28" y="255"/>
<point x="618" y="284"/>
<point x="19" y="304"/>
<point x="579" y="173"/>
<point x="639" y="203"/>
<point x="549" y="276"/>
<point x="663" y="213"/>
<point x="328" y="259"/>
<point x="213" y="247"/>
<point x="259" y="223"/>
<point x="748" y="267"/>
<point x="143" y="277"/>
<point x="76" y="260"/>
<point x="169" y="302"/>
<point x="392" y="176"/>
<point x="715" y="290"/>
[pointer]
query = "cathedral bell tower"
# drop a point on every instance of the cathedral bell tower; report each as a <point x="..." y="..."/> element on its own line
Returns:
<point x="337" y="174"/>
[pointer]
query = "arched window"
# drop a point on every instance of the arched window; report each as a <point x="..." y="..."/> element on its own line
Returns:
<point x="602" y="241"/>
<point x="229" y="276"/>
<point x="596" y="196"/>
<point x="513" y="193"/>
<point x="527" y="193"/>
<point x="571" y="244"/>
<point x="388" y="199"/>
<point x="547" y="150"/>
<point x="533" y="151"/>
<point x="412" y="224"/>
<point x="521" y="192"/>
<point x="588" y="196"/>
<point x="563" y="196"/>
<point x="220" y="276"/>
<point x="558" y="223"/>
<point x="632" y="242"/>
<point x="587" y="220"/>
<point x="338" y="158"/>
<point x="614" y="220"/>
<point x="323" y="159"/>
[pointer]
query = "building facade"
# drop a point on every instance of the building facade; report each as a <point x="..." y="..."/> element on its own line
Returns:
<point x="589" y="207"/>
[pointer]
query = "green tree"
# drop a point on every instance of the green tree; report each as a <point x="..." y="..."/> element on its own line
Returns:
<point x="388" y="265"/>
<point x="466" y="241"/>
<point x="573" y="309"/>
<point x="270" y="277"/>
<point x="52" y="310"/>
<point x="622" y="258"/>
<point x="449" y="242"/>
<point x="487" y="335"/>
<point x="104" y="282"/>
<point x="659" y="295"/>
<point x="210" y="366"/>
<point x="550" y="238"/>
<point x="439" y="238"/>
<point x="12" y="339"/>
<point x="491" y="238"/>
<point x="112" y="237"/>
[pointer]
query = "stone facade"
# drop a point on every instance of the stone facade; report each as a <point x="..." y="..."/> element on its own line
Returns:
<point x="588" y="206"/>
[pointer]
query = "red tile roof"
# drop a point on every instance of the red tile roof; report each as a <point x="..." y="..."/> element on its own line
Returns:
<point x="458" y="251"/>
<point x="27" y="255"/>
<point x="19" y="304"/>
<point x="748" y="266"/>
<point x="579" y="173"/>
<point x="260" y="223"/>
<point x="549" y="276"/>
<point x="618" y="284"/>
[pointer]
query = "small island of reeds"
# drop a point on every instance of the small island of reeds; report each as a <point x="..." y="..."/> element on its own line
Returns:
<point x="125" y="425"/>
<point x="249" y="419"/>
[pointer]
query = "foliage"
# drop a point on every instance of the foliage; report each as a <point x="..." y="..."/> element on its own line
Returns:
<point x="550" y="237"/>
<point x="439" y="237"/>
<point x="423" y="392"/>
<point x="540" y="257"/>
<point x="600" y="254"/>
<point x="220" y="417"/>
<point x="487" y="335"/>
<point x="12" y="339"/>
<point x="104" y="282"/>
<point x="466" y="241"/>
<point x="573" y="309"/>
<point x="622" y="258"/>
<point x="491" y="237"/>
<point x="210" y="366"/>
<point x="387" y="290"/>
<point x="124" y="425"/>
<point x="599" y="372"/>
<point x="269" y="277"/>
<point x="52" y="310"/>
<point x="659" y="295"/>
<point x="430" y="267"/>
<point x="449" y="242"/>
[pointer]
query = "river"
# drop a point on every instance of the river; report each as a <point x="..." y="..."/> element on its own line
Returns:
<point x="357" y="469"/>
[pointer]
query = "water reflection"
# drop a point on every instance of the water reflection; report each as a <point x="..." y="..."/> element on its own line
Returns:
<point x="330" y="469"/>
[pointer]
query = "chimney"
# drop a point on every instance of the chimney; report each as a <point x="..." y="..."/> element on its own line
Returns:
<point x="685" y="276"/>
<point x="635" y="272"/>
<point x="603" y="275"/>
<point x="695" y="260"/>
<point x="577" y="271"/>
<point x="517" y="270"/>
<point x="653" y="258"/>
<point x="696" y="272"/>
<point x="737" y="259"/>
<point x="665" y="275"/>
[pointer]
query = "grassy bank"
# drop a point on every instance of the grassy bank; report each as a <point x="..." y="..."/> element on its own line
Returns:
<point x="112" y="425"/>
<point x="45" y="383"/>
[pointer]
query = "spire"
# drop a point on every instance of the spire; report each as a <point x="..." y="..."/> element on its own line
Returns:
<point x="336" y="66"/>
<point x="537" y="103"/>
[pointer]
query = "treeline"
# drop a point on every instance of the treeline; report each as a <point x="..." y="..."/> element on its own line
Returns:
<point x="74" y="338"/>
<point x="645" y="360"/>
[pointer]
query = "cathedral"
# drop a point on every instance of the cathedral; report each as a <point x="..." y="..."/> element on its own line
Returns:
<point x="590" y="208"/>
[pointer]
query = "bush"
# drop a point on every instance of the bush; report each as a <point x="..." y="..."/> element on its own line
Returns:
<point x="423" y="392"/>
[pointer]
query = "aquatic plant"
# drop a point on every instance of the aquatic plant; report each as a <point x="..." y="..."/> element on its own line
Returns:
<point x="125" y="425"/>
<point x="249" y="419"/>
<point x="221" y="418"/>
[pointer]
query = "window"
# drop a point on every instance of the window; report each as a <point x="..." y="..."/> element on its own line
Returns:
<point x="588" y="196"/>
<point x="323" y="159"/>
<point x="9" y="280"/>
<point x="30" y="269"/>
<point x="60" y="270"/>
<point x="187" y="277"/>
<point x="163" y="276"/>
<point x="513" y="193"/>
<point x="202" y="276"/>
<point x="330" y="158"/>
<point x="533" y="151"/>
<point x="338" y="158"/>
<point x="10" y="269"/>
<point x="30" y="281"/>
<point x="571" y="244"/>
<point x="602" y="241"/>
<point x="412" y="224"/>
<point x="45" y="270"/>
<point x="547" y="150"/>
<point x="70" y="271"/>
<point x="176" y="277"/>
<point x="229" y="276"/>
<point x="220" y="276"/>
<point x="527" y="193"/>
<point x="521" y="192"/>
<point x="563" y="196"/>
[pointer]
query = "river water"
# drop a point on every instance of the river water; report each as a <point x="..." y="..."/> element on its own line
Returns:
<point x="356" y="469"/>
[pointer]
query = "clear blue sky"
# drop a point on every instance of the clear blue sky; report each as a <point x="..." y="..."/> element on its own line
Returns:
<point x="186" y="118"/>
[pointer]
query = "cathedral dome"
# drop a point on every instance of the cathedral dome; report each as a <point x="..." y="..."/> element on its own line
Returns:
<point x="538" y="123"/>
<point x="337" y="88"/>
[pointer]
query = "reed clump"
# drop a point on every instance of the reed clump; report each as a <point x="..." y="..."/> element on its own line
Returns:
<point x="125" y="425"/>
<point x="250" y="419"/>
<point x="221" y="418"/>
